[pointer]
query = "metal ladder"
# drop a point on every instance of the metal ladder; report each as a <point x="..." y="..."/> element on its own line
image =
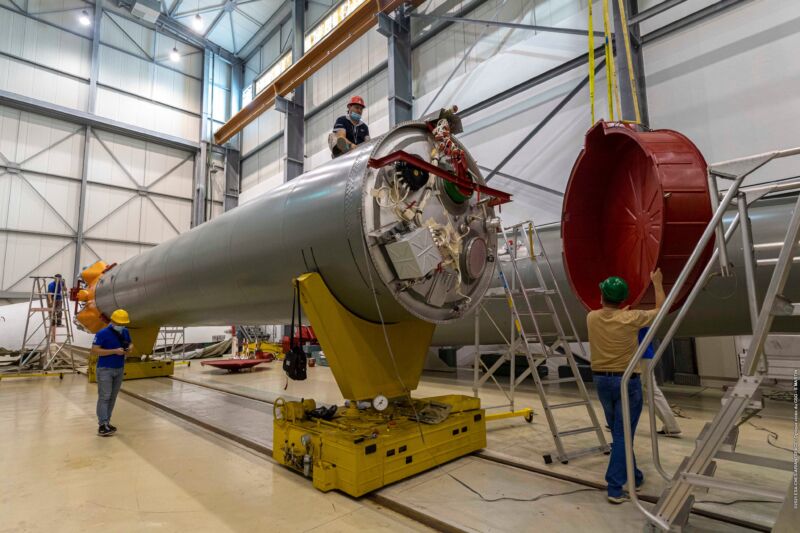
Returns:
<point x="530" y="335"/>
<point x="697" y="470"/>
<point x="53" y="350"/>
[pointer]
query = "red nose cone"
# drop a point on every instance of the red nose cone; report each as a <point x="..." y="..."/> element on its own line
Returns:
<point x="635" y="201"/>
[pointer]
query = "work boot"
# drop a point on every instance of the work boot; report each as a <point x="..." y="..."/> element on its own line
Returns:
<point x="113" y="429"/>
<point x="616" y="500"/>
<point x="104" y="430"/>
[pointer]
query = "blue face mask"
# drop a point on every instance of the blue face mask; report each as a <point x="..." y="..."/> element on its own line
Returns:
<point x="117" y="328"/>
<point x="355" y="116"/>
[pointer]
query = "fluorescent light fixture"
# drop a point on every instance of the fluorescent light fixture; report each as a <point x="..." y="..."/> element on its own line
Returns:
<point x="84" y="19"/>
<point x="197" y="22"/>
<point x="174" y="55"/>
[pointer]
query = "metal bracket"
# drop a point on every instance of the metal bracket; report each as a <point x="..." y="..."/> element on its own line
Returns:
<point x="784" y="307"/>
<point x="388" y="26"/>
<point x="284" y="105"/>
<point x="498" y="197"/>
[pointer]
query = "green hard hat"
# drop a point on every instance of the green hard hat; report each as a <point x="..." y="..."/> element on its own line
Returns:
<point x="614" y="289"/>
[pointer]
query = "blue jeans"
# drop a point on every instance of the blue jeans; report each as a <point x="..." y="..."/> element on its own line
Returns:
<point x="109" y="380"/>
<point x="608" y="389"/>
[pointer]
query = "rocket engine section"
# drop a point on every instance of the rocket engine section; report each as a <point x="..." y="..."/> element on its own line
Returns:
<point x="402" y="226"/>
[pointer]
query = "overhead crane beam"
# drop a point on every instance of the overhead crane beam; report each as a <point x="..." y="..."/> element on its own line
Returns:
<point x="354" y="26"/>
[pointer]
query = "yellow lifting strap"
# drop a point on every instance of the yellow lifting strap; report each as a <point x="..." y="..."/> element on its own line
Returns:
<point x="611" y="75"/>
<point x="591" y="61"/>
<point x="624" y="23"/>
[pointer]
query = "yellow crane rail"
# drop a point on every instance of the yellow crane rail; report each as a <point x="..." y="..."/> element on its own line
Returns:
<point x="354" y="26"/>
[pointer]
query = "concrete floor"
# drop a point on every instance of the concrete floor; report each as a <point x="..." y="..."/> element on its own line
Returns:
<point x="157" y="474"/>
<point x="161" y="473"/>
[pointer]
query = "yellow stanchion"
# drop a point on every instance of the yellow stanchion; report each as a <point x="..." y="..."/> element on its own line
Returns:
<point x="611" y="74"/>
<point x="591" y="60"/>
<point x="631" y="80"/>
<point x="33" y="375"/>
<point x="526" y="413"/>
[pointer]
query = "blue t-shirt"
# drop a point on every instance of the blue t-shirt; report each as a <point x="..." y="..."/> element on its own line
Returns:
<point x="107" y="339"/>
<point x="649" y="353"/>
<point x="57" y="290"/>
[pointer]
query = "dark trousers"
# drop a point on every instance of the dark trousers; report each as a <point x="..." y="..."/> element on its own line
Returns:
<point x="109" y="381"/>
<point x="608" y="389"/>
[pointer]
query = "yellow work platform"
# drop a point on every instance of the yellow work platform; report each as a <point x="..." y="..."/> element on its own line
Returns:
<point x="135" y="369"/>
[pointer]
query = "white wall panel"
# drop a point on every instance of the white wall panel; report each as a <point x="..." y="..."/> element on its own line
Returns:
<point x="110" y="252"/>
<point x="114" y="213"/>
<point x="126" y="34"/>
<point x="267" y="125"/>
<point x="33" y="255"/>
<point x="43" y="44"/>
<point x="502" y="57"/>
<point x="38" y="203"/>
<point x="169" y="172"/>
<point x="357" y="60"/>
<point x="24" y="135"/>
<point x="146" y="114"/>
<point x="34" y="82"/>
<point x="266" y="165"/>
<point x="141" y="77"/>
<point x="731" y="83"/>
<point x="67" y="19"/>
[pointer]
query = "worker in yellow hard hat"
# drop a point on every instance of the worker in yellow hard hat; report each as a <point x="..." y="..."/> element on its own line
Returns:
<point x="111" y="344"/>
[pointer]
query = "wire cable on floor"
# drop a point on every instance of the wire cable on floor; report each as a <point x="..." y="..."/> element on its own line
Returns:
<point x="732" y="502"/>
<point x="513" y="499"/>
<point x="780" y="396"/>
<point x="772" y="437"/>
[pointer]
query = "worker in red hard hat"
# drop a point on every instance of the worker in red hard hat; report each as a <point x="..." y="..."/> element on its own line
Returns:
<point x="349" y="130"/>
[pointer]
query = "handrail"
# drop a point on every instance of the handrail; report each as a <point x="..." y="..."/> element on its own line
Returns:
<point x="669" y="336"/>
<point x="710" y="230"/>
<point x="756" y="162"/>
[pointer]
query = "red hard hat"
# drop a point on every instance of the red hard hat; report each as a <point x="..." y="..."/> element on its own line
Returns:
<point x="356" y="100"/>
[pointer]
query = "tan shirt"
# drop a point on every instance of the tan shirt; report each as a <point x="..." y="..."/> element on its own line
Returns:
<point x="613" y="336"/>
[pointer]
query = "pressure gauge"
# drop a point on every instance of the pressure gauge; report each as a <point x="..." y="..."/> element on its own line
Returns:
<point x="380" y="402"/>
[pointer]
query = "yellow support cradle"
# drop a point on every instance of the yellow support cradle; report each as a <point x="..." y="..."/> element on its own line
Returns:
<point x="364" y="449"/>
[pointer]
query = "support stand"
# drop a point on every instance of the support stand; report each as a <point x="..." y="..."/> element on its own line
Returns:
<point x="369" y="445"/>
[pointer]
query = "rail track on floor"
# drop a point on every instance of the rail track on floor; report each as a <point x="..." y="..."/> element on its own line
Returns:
<point x="204" y="418"/>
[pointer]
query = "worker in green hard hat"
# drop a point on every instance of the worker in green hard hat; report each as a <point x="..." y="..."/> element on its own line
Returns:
<point x="613" y="341"/>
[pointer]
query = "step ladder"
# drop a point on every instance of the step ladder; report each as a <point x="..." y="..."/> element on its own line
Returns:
<point x="718" y="438"/>
<point x="534" y="304"/>
<point x="171" y="341"/>
<point x="48" y="344"/>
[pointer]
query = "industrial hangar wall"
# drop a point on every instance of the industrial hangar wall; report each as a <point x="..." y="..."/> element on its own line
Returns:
<point x="730" y="91"/>
<point x="138" y="192"/>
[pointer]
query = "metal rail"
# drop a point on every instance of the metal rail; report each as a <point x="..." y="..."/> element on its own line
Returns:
<point x="740" y="168"/>
<point x="486" y="455"/>
<point x="353" y="27"/>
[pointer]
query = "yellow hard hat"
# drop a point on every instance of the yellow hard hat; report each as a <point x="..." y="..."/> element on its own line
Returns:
<point x="120" y="317"/>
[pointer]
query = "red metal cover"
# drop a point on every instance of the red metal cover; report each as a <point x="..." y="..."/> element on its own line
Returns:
<point x="235" y="364"/>
<point x="636" y="200"/>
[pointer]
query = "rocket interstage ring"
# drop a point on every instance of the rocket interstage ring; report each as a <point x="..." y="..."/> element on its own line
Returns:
<point x="636" y="201"/>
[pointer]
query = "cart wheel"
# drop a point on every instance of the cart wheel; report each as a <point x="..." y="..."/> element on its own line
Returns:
<point x="548" y="459"/>
<point x="529" y="417"/>
<point x="61" y="376"/>
<point x="565" y="462"/>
